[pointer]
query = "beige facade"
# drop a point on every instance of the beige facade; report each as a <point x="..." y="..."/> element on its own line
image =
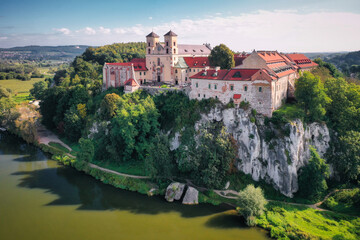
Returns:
<point x="263" y="80"/>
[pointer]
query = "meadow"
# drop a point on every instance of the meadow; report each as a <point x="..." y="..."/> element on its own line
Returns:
<point x="20" y="89"/>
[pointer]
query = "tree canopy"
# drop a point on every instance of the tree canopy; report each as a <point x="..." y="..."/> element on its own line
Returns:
<point x="222" y="56"/>
<point x="312" y="179"/>
<point x="310" y="94"/>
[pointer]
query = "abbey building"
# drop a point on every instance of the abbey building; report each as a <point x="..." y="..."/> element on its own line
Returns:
<point x="264" y="79"/>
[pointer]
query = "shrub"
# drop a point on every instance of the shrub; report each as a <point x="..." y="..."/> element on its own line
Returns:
<point x="251" y="203"/>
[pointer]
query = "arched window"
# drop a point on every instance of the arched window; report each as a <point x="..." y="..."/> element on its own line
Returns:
<point x="149" y="44"/>
<point x="158" y="61"/>
<point x="149" y="51"/>
<point x="174" y="51"/>
<point x="167" y="50"/>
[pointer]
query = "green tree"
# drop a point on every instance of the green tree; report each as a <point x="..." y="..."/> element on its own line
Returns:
<point x="348" y="160"/>
<point x="87" y="149"/>
<point x="344" y="110"/>
<point x="312" y="178"/>
<point x="222" y="56"/>
<point x="159" y="162"/>
<point x="310" y="94"/>
<point x="208" y="159"/>
<point x="251" y="203"/>
<point x="133" y="127"/>
<point x="108" y="105"/>
<point x="73" y="124"/>
<point x="7" y="113"/>
<point x="38" y="90"/>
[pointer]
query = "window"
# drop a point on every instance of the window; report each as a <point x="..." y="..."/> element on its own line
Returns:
<point x="237" y="75"/>
<point x="204" y="95"/>
<point x="199" y="95"/>
<point x="232" y="87"/>
<point x="260" y="89"/>
<point x="197" y="85"/>
<point x="216" y="96"/>
<point x="158" y="61"/>
<point x="149" y="44"/>
<point x="174" y="51"/>
<point x="149" y="51"/>
<point x="215" y="86"/>
<point x="167" y="50"/>
<point x="174" y="44"/>
<point x="167" y="44"/>
<point x="209" y="86"/>
<point x="189" y="70"/>
<point x="140" y="73"/>
<point x="175" y="70"/>
<point x="185" y="79"/>
<point x="144" y="73"/>
<point x="245" y="88"/>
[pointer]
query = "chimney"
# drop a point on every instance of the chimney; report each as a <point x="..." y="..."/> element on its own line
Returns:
<point x="217" y="69"/>
<point x="205" y="71"/>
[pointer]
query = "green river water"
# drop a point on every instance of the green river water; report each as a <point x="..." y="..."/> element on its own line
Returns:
<point x="40" y="199"/>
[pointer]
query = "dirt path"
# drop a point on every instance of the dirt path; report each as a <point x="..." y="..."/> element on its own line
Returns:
<point x="45" y="137"/>
<point x="117" y="173"/>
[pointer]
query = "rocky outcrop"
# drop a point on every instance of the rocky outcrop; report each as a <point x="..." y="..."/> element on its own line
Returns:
<point x="267" y="152"/>
<point x="174" y="191"/>
<point x="191" y="196"/>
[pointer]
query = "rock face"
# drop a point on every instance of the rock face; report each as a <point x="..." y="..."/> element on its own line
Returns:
<point x="266" y="152"/>
<point x="174" y="191"/>
<point x="191" y="196"/>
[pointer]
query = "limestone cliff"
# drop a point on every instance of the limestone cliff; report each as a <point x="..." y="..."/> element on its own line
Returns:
<point x="267" y="152"/>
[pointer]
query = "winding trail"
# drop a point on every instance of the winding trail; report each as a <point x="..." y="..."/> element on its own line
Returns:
<point x="118" y="173"/>
<point x="45" y="137"/>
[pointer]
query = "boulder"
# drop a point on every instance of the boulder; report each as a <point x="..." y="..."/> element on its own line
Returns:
<point x="174" y="191"/>
<point x="191" y="196"/>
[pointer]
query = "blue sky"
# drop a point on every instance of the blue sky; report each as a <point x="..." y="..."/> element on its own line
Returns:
<point x="243" y="25"/>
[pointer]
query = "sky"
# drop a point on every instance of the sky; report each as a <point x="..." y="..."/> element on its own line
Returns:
<point x="283" y="25"/>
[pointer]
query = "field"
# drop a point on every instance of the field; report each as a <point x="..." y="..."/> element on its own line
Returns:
<point x="20" y="89"/>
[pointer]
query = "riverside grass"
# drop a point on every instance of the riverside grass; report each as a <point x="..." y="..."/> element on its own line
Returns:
<point x="285" y="221"/>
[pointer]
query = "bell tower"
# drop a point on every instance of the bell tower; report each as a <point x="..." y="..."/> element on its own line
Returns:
<point x="151" y="40"/>
<point x="171" y="46"/>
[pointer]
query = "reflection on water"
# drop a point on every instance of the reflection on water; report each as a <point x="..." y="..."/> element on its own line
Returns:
<point x="59" y="187"/>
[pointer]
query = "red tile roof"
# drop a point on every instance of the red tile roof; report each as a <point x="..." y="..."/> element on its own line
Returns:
<point x="197" y="62"/>
<point x="131" y="82"/>
<point x="301" y="60"/>
<point x="240" y="74"/>
<point x="139" y="64"/>
<point x="211" y="74"/>
<point x="237" y="96"/>
<point x="270" y="56"/>
<point x="229" y="75"/>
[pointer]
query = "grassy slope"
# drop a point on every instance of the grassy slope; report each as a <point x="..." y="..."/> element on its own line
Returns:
<point x="299" y="222"/>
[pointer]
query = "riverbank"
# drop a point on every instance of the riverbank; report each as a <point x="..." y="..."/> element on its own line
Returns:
<point x="282" y="220"/>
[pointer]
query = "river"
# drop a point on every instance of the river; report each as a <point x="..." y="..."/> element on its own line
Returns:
<point x="39" y="199"/>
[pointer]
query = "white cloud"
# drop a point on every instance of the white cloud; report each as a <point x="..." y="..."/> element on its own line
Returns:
<point x="283" y="30"/>
<point x="3" y="38"/>
<point x="87" y="31"/>
<point x="104" y="30"/>
<point x="64" y="31"/>
<point x="150" y="18"/>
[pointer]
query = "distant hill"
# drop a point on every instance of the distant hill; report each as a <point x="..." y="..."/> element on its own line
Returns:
<point x="39" y="53"/>
<point x="323" y="55"/>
